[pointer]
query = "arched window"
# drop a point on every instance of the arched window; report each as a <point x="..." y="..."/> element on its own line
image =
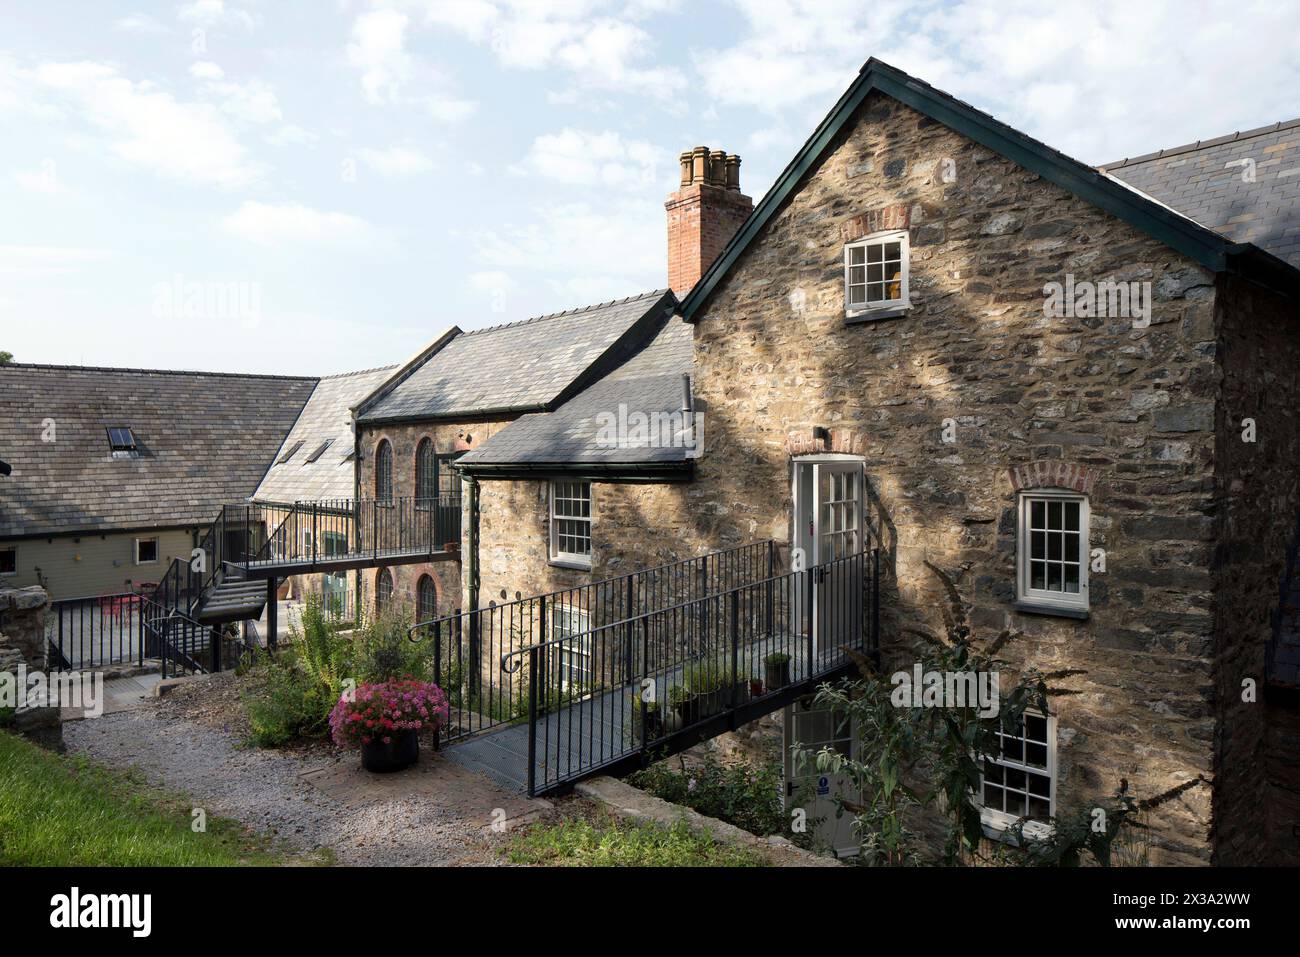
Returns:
<point x="426" y="599"/>
<point x="384" y="472"/>
<point x="426" y="475"/>
<point x="383" y="590"/>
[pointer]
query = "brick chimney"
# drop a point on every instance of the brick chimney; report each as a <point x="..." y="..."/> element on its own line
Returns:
<point x="703" y="215"/>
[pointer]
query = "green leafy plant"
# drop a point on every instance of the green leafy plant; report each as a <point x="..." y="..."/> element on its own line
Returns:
<point x="776" y="659"/>
<point x="928" y="756"/>
<point x="609" y="842"/>
<point x="740" y="794"/>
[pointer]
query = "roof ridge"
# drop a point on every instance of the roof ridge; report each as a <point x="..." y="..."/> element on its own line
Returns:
<point x="344" y="375"/>
<point x="653" y="293"/>
<point x="54" y="366"/>
<point x="1202" y="144"/>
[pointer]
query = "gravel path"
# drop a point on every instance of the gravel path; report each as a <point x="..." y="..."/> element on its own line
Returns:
<point x="265" y="790"/>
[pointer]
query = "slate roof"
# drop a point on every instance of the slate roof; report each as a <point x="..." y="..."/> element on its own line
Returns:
<point x="649" y="382"/>
<point x="1205" y="181"/>
<point x="520" y="367"/>
<point x="327" y="417"/>
<point x="205" y="439"/>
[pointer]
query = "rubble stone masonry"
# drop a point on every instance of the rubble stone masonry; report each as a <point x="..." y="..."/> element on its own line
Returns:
<point x="1125" y="411"/>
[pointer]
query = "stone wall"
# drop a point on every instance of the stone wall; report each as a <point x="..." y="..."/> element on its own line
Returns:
<point x="1258" y="483"/>
<point x="22" y="627"/>
<point x="22" y="642"/>
<point x="775" y="358"/>
<point x="634" y="526"/>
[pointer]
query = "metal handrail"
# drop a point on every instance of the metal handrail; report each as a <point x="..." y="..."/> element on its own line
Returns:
<point x="604" y="581"/>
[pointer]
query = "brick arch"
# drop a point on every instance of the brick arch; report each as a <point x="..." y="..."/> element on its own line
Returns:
<point x="1053" y="473"/>
<point x="842" y="441"/>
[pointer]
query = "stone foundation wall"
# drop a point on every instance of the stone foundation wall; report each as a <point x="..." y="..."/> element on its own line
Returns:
<point x="1258" y="483"/>
<point x="22" y="642"/>
<point x="1133" y="404"/>
<point x="22" y="627"/>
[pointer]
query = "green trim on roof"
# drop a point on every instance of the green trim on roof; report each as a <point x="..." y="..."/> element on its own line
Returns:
<point x="1174" y="230"/>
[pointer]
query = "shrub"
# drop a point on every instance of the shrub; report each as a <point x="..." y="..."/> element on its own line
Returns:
<point x="612" y="843"/>
<point x="739" y="794"/>
<point x="381" y="709"/>
<point x="301" y="682"/>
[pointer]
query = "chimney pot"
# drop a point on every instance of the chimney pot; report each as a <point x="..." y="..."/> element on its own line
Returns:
<point x="733" y="172"/>
<point x="704" y="214"/>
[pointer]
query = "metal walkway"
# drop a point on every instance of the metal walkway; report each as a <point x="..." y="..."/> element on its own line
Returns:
<point x="601" y="733"/>
<point x="546" y="691"/>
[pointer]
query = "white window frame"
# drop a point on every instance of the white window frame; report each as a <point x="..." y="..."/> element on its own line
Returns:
<point x="578" y="560"/>
<point x="563" y="617"/>
<point x="1045" y="598"/>
<point x="14" y="549"/>
<point x="866" y="310"/>
<point x="157" y="552"/>
<point x="995" y="822"/>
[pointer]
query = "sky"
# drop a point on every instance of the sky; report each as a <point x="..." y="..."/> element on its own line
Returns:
<point x="317" y="187"/>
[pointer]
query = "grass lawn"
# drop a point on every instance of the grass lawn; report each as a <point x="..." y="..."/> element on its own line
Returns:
<point x="606" y="841"/>
<point x="66" y="811"/>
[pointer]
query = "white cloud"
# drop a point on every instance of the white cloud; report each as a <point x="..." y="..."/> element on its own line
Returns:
<point x="396" y="161"/>
<point x="606" y="158"/>
<point x="147" y="126"/>
<point x="627" y="236"/>
<point x="43" y="179"/>
<point x="274" y="224"/>
<point x="141" y="24"/>
<point x="596" y="52"/>
<point x="251" y="101"/>
<point x="39" y="261"/>
<point x="206" y="70"/>
<point x="377" y="51"/>
<point x="208" y="13"/>
<point x="292" y="135"/>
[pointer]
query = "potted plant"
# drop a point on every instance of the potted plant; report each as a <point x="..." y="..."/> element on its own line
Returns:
<point x="704" y="680"/>
<point x="776" y="670"/>
<point x="683" y="703"/>
<point x="654" y="723"/>
<point x="385" y="718"/>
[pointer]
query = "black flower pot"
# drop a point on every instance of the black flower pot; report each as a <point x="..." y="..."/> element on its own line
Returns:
<point x="776" y="675"/>
<point x="401" y="752"/>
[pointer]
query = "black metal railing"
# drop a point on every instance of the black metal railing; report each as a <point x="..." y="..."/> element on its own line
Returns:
<point x="315" y="532"/>
<point x="467" y="647"/>
<point x="182" y="645"/>
<point x="656" y="676"/>
<point x="96" y="631"/>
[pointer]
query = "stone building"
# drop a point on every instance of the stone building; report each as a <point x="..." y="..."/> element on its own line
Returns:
<point x="460" y="390"/>
<point x="317" y="463"/>
<point x="978" y="353"/>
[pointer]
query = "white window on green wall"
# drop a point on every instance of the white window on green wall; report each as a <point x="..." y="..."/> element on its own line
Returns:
<point x="1052" y="553"/>
<point x="570" y="531"/>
